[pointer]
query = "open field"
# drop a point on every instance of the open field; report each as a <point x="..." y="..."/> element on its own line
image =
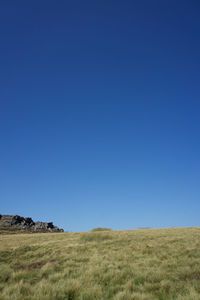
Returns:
<point x="122" y="265"/>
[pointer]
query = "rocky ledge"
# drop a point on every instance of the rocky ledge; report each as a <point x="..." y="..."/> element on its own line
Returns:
<point x="15" y="223"/>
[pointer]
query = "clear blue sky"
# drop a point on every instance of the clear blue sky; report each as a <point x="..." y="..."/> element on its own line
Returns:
<point x="100" y="112"/>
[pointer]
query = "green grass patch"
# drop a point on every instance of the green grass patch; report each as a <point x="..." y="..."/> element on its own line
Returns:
<point x="95" y="237"/>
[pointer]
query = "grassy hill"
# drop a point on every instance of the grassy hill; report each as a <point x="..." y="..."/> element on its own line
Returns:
<point x="122" y="265"/>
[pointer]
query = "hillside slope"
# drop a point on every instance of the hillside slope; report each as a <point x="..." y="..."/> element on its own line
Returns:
<point x="121" y="265"/>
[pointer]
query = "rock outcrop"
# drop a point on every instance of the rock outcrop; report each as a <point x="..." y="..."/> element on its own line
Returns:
<point x="15" y="223"/>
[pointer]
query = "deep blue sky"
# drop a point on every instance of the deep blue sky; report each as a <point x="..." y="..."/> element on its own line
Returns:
<point x="100" y="112"/>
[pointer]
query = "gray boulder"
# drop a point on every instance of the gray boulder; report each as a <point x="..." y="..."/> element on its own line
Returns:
<point x="18" y="223"/>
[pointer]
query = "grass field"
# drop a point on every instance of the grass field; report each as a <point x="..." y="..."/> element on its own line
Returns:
<point x="121" y="265"/>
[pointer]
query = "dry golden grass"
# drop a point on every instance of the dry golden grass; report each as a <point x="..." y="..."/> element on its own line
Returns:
<point x="121" y="265"/>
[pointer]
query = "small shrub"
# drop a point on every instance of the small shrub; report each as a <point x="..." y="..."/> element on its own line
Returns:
<point x="101" y="229"/>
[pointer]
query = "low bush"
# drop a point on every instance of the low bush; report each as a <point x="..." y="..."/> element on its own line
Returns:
<point x="101" y="229"/>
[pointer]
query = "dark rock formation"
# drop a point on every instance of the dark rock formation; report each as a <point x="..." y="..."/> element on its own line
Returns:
<point x="15" y="223"/>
